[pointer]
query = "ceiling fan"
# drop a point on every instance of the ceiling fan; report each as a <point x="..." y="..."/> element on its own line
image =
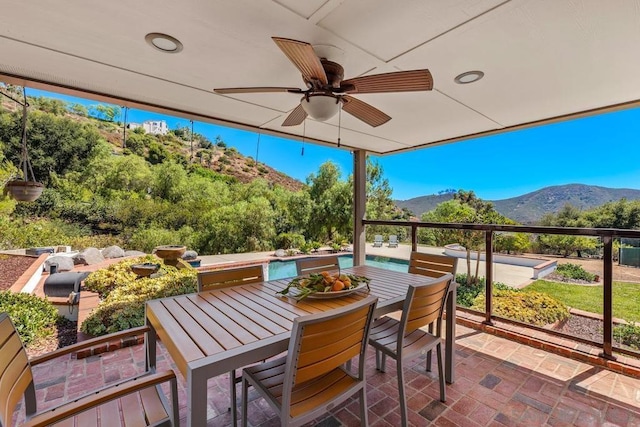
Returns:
<point x="327" y="91"/>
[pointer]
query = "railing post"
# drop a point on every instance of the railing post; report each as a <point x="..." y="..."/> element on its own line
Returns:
<point x="414" y="237"/>
<point x="488" y="276"/>
<point x="607" y="343"/>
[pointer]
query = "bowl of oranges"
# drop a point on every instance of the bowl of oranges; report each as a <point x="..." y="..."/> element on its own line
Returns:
<point x="325" y="285"/>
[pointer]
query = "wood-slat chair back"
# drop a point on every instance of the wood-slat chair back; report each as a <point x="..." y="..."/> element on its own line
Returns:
<point x="225" y="278"/>
<point x="425" y="305"/>
<point x="16" y="379"/>
<point x="316" y="265"/>
<point x="137" y="401"/>
<point x="323" y="342"/>
<point x="432" y="265"/>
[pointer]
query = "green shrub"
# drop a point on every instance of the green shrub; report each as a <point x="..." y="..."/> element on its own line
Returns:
<point x="628" y="335"/>
<point x="524" y="306"/>
<point x="33" y="317"/>
<point x="466" y="294"/>
<point x="122" y="306"/>
<point x="289" y="240"/>
<point x="574" y="271"/>
<point x="306" y="247"/>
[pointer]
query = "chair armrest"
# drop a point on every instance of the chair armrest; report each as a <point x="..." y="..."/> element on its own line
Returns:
<point x="67" y="410"/>
<point x="88" y="344"/>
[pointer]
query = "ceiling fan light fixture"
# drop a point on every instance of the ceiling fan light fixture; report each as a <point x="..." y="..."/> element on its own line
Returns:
<point x="320" y="107"/>
<point x="468" y="77"/>
<point x="164" y="42"/>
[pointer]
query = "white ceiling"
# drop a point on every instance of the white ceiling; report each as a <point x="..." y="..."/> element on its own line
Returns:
<point x="541" y="58"/>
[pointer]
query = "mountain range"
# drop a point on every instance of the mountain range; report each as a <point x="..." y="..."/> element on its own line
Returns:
<point x="531" y="207"/>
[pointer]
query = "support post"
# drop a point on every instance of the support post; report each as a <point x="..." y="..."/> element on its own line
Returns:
<point x="607" y="341"/>
<point x="359" y="205"/>
<point x="488" y="275"/>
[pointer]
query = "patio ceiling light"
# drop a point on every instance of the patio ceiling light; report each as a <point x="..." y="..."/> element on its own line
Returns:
<point x="321" y="106"/>
<point x="468" y="77"/>
<point x="163" y="42"/>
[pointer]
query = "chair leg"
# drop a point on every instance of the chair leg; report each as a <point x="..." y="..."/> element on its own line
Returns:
<point x="232" y="408"/>
<point x="429" y="352"/>
<point x="383" y="363"/>
<point x="377" y="359"/>
<point x="403" y="399"/>
<point x="364" y="418"/>
<point x="245" y="401"/>
<point x="443" y="397"/>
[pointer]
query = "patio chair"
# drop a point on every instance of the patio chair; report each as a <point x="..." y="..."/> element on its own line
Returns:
<point x="140" y="400"/>
<point x="317" y="264"/>
<point x="432" y="265"/>
<point x="406" y="338"/>
<point x="377" y="241"/>
<point x="311" y="379"/>
<point x="393" y="241"/>
<point x="226" y="278"/>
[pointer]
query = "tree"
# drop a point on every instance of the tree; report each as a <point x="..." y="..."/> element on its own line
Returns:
<point x="511" y="242"/>
<point x="333" y="204"/>
<point x="568" y="216"/>
<point x="56" y="144"/>
<point x="79" y="109"/>
<point x="105" y="112"/>
<point x="623" y="214"/>
<point x="465" y="207"/>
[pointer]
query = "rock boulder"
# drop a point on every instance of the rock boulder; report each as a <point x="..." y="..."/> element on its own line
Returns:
<point x="113" y="252"/>
<point x="89" y="256"/>
<point x="190" y="255"/>
<point x="64" y="263"/>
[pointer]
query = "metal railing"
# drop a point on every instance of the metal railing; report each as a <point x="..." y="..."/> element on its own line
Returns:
<point x="607" y="235"/>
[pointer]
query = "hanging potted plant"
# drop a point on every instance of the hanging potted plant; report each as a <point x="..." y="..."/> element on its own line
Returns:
<point x="24" y="190"/>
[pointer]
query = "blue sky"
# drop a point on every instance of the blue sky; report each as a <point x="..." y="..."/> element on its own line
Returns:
<point x="601" y="150"/>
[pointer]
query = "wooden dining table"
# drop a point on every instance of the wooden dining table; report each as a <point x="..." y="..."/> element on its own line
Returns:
<point x="214" y="332"/>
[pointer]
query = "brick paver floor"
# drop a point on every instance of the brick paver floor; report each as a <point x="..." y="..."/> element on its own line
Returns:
<point x="499" y="383"/>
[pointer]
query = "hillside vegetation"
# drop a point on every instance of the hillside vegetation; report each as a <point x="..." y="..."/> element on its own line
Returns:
<point x="151" y="193"/>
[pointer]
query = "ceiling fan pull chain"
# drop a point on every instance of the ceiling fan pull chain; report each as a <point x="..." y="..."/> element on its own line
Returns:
<point x="339" y="122"/>
<point x="304" y="131"/>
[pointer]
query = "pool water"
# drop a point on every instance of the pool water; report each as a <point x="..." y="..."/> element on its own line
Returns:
<point x="282" y="269"/>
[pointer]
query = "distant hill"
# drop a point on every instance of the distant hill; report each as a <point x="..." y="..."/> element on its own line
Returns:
<point x="531" y="207"/>
<point x="422" y="204"/>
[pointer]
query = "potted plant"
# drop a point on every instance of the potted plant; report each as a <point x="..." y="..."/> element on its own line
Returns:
<point x="24" y="190"/>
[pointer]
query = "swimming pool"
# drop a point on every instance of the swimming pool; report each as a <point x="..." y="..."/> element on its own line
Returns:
<point x="282" y="269"/>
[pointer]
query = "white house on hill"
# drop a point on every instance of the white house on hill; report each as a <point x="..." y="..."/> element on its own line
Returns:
<point x="152" y="126"/>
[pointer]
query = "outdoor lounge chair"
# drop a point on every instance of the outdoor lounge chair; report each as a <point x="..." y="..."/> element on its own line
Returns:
<point x="317" y="264"/>
<point x="377" y="241"/>
<point x="393" y="241"/>
<point x="139" y="400"/>
<point x="406" y="338"/>
<point x="311" y="379"/>
<point x="226" y="278"/>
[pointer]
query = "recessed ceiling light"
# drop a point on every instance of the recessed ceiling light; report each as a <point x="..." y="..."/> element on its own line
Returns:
<point x="468" y="77"/>
<point x="163" y="42"/>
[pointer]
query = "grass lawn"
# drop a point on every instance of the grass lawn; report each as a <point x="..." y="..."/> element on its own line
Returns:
<point x="589" y="298"/>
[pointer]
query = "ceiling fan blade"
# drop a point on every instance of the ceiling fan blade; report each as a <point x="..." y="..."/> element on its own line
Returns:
<point x="296" y="117"/>
<point x="226" y="90"/>
<point x="363" y="111"/>
<point x="399" y="81"/>
<point x="304" y="58"/>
